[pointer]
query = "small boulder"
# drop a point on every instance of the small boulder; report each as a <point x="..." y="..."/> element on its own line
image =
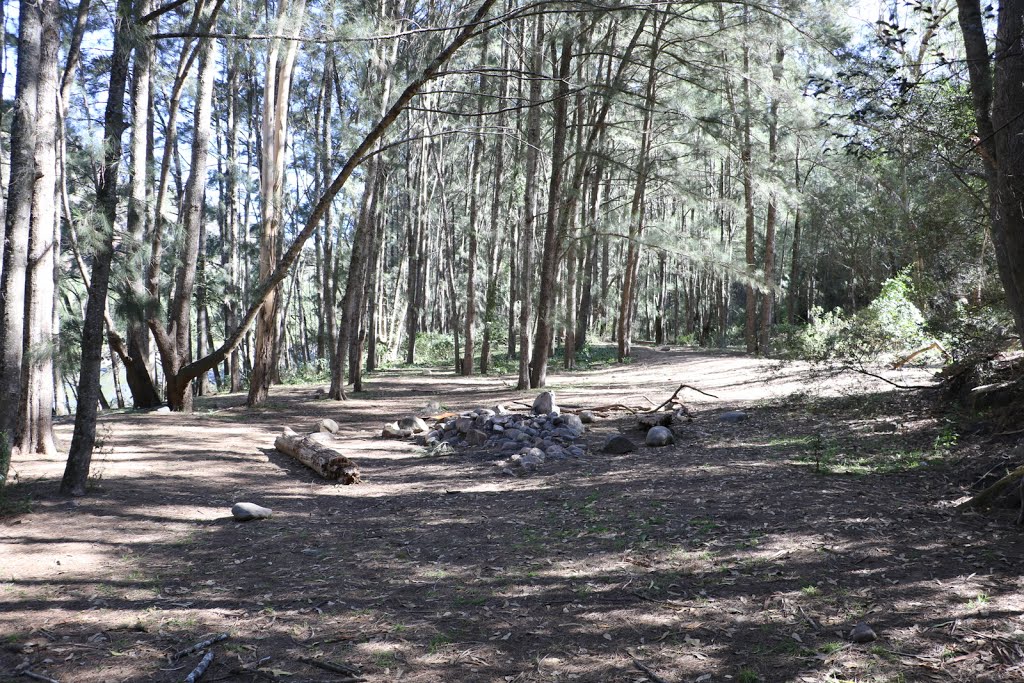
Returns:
<point x="862" y="633"/>
<point x="245" y="512"/>
<point x="476" y="437"/>
<point x="412" y="423"/>
<point x="659" y="436"/>
<point x="392" y="431"/>
<point x="163" y="409"/>
<point x="573" y="423"/>
<point x="544" y="404"/>
<point x="618" y="445"/>
<point x="328" y="426"/>
<point x="587" y="417"/>
<point x="733" y="416"/>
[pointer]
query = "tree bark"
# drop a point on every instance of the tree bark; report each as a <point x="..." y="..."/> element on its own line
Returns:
<point x="321" y="458"/>
<point x="18" y="220"/>
<point x="998" y="98"/>
<point x="276" y="94"/>
<point x="83" y="439"/>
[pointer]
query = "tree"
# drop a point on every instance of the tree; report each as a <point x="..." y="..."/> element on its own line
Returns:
<point x="998" y="99"/>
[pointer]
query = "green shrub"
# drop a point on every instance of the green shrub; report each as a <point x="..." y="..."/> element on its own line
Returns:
<point x="434" y="348"/>
<point x="890" y="325"/>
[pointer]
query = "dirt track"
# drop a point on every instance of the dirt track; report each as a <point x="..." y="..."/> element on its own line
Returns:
<point x="742" y="551"/>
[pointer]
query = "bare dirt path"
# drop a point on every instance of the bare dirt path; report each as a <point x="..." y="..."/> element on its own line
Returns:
<point x="744" y="552"/>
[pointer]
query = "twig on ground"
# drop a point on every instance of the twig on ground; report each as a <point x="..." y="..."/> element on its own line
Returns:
<point x="202" y="645"/>
<point x="331" y="666"/>
<point x="39" y="677"/>
<point x="655" y="678"/>
<point x="201" y="668"/>
<point x="813" y="624"/>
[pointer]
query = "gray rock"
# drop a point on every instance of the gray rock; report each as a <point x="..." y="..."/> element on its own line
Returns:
<point x="577" y="451"/>
<point x="486" y="412"/>
<point x="392" y="431"/>
<point x="244" y="512"/>
<point x="510" y="445"/>
<point x="573" y="422"/>
<point x="733" y="416"/>
<point x="463" y="424"/>
<point x="413" y="423"/>
<point x="163" y="409"/>
<point x="659" y="436"/>
<point x="476" y="437"/>
<point x="587" y="417"/>
<point x="545" y="404"/>
<point x="556" y="453"/>
<point x="618" y="445"/>
<point x="498" y="429"/>
<point x="328" y="425"/>
<point x="862" y="633"/>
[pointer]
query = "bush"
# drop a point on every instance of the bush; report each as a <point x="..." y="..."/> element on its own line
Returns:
<point x="890" y="325"/>
<point x="434" y="348"/>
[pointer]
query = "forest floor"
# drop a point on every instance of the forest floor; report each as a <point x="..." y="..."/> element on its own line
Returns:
<point x="745" y="552"/>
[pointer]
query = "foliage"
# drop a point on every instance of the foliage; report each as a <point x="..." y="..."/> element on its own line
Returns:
<point x="313" y="372"/>
<point x="891" y="324"/>
<point x="434" y="348"/>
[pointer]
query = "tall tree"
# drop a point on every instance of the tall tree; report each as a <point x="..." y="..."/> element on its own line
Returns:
<point x="276" y="95"/>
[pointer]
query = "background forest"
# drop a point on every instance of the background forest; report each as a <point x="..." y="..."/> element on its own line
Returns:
<point x="218" y="195"/>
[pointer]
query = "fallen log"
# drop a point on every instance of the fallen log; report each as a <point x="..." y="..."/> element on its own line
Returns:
<point x="322" y="459"/>
<point x="989" y="496"/>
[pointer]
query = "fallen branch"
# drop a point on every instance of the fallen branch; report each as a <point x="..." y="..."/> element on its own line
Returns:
<point x="348" y="669"/>
<point x="888" y="381"/>
<point x="201" y="668"/>
<point x="988" y="496"/>
<point x="201" y="645"/>
<point x="39" y="677"/>
<point x="672" y="398"/>
<point x="655" y="678"/>
<point x="934" y="345"/>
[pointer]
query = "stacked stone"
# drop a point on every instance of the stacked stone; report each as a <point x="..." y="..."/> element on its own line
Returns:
<point x="528" y="440"/>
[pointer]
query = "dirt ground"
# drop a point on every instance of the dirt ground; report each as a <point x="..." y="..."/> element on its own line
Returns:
<point x="745" y="552"/>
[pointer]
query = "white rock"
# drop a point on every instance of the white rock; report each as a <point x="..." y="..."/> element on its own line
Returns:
<point x="244" y="512"/>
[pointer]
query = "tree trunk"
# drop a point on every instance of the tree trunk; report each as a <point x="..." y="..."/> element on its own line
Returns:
<point x="276" y="94"/>
<point x="76" y="472"/>
<point x="35" y="431"/>
<point x="529" y="205"/>
<point x="768" y="296"/>
<point x="16" y="227"/>
<point x="998" y="99"/>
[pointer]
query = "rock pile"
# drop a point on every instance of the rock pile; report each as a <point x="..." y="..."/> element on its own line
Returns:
<point x="529" y="440"/>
